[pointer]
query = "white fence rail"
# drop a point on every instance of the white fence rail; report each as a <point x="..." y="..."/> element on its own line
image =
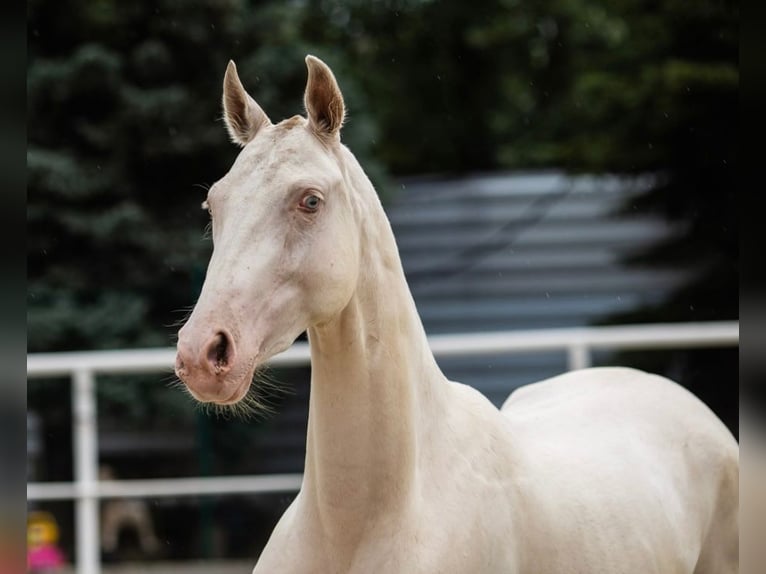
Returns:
<point x="82" y="367"/>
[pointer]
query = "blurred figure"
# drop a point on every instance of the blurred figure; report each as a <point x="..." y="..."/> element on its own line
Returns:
<point x="43" y="554"/>
<point x="122" y="513"/>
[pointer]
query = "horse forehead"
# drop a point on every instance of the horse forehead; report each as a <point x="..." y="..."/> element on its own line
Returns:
<point x="287" y="153"/>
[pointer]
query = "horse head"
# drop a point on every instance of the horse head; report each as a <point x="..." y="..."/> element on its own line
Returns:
<point x="285" y="239"/>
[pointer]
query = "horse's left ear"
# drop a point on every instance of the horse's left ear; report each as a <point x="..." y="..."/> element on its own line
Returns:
<point x="324" y="102"/>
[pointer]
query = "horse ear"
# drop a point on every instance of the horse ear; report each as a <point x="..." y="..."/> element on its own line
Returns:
<point x="323" y="100"/>
<point x="242" y="115"/>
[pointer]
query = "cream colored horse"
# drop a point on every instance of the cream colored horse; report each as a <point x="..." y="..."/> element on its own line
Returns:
<point x="606" y="470"/>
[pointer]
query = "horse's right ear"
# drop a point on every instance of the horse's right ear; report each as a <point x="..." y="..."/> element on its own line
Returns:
<point x="323" y="100"/>
<point x="242" y="115"/>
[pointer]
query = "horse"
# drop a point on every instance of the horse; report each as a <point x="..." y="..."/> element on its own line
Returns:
<point x="601" y="470"/>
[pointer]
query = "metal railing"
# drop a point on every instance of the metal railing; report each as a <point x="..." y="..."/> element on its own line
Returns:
<point x="86" y="490"/>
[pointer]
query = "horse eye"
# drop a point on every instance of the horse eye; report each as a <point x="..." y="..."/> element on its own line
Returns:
<point x="310" y="203"/>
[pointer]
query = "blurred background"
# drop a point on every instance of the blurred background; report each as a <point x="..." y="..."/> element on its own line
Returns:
<point x="548" y="164"/>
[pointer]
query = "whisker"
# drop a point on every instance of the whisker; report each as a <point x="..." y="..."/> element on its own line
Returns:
<point x="178" y="323"/>
<point x="259" y="403"/>
<point x="171" y="379"/>
<point x="184" y="309"/>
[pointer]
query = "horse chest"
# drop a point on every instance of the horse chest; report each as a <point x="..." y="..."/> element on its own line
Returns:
<point x="425" y="542"/>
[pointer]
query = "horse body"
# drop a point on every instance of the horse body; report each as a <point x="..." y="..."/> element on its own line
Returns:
<point x="626" y="472"/>
<point x="604" y="470"/>
<point x="600" y="470"/>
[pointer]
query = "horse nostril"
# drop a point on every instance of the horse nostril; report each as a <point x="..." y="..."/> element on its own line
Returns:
<point x="219" y="352"/>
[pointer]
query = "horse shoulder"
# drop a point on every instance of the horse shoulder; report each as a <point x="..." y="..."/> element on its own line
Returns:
<point x="467" y="487"/>
<point x="293" y="547"/>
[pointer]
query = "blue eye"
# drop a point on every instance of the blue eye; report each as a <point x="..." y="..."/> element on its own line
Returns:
<point x="310" y="203"/>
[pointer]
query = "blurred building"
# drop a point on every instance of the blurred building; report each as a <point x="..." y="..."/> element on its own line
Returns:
<point x="525" y="251"/>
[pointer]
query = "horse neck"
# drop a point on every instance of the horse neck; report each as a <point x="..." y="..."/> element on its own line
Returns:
<point x="374" y="390"/>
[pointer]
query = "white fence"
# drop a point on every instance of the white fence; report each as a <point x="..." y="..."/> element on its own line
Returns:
<point x="82" y="367"/>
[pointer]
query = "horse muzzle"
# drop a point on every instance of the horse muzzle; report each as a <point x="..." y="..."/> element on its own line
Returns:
<point x="208" y="369"/>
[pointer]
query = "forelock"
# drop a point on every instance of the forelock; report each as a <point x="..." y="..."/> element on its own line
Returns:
<point x="291" y="123"/>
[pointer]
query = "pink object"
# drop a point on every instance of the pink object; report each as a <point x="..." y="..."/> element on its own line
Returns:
<point x="45" y="556"/>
